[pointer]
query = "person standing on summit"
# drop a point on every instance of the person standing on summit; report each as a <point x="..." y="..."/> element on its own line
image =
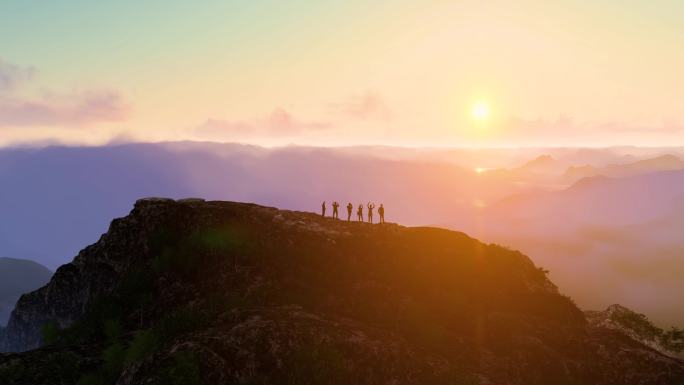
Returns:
<point x="381" y="211"/>
<point x="370" y="206"/>
<point x="323" y="209"/>
<point x="359" y="213"/>
<point x="350" y="207"/>
<point x="335" y="205"/>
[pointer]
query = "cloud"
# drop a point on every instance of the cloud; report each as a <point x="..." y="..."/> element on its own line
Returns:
<point x="367" y="106"/>
<point x="664" y="127"/>
<point x="51" y="109"/>
<point x="67" y="110"/>
<point x="565" y="127"/>
<point x="516" y="126"/>
<point x="278" y="123"/>
<point x="357" y="113"/>
<point x="12" y="75"/>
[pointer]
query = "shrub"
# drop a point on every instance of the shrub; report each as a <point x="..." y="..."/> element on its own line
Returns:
<point x="113" y="358"/>
<point x="93" y="323"/>
<point x="50" y="333"/>
<point x="143" y="344"/>
<point x="112" y="329"/>
<point x="637" y="322"/>
<point x="178" y="323"/>
<point x="183" y="370"/>
<point x="673" y="340"/>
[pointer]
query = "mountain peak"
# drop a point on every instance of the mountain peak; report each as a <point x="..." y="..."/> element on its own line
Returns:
<point x="588" y="182"/>
<point x="666" y="160"/>
<point x="242" y="293"/>
<point x="540" y="161"/>
<point x="669" y="157"/>
<point x="542" y="164"/>
<point x="545" y="158"/>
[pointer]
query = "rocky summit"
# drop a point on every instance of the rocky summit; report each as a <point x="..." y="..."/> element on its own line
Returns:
<point x="195" y="292"/>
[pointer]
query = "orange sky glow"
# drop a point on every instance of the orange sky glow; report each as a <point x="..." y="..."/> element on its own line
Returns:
<point x="407" y="73"/>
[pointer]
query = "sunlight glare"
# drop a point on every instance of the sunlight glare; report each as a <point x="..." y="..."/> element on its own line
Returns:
<point x="480" y="111"/>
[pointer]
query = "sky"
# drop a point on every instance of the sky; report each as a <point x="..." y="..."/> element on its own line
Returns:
<point x="343" y="72"/>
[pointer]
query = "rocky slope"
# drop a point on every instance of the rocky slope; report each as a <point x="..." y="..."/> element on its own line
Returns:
<point x="638" y="327"/>
<point x="197" y="292"/>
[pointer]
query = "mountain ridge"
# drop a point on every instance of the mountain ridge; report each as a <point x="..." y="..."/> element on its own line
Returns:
<point x="638" y="327"/>
<point x="228" y="292"/>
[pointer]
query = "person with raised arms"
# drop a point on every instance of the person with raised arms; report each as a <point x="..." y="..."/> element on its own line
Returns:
<point x="370" y="206"/>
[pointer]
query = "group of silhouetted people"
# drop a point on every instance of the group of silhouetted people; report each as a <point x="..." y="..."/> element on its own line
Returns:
<point x="359" y="212"/>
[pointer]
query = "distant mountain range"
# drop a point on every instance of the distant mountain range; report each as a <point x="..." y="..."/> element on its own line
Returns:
<point x="564" y="172"/>
<point x="661" y="163"/>
<point x="596" y="200"/>
<point x="621" y="235"/>
<point x="18" y="276"/>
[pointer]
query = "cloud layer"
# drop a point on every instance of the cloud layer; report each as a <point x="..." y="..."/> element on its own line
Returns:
<point x="566" y="128"/>
<point x="76" y="109"/>
<point x="279" y="123"/>
<point x="12" y="75"/>
<point x="367" y="106"/>
<point x="72" y="110"/>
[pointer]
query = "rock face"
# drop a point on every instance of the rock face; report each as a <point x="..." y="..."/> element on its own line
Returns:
<point x="93" y="273"/>
<point x="639" y="328"/>
<point x="18" y="276"/>
<point x="219" y="292"/>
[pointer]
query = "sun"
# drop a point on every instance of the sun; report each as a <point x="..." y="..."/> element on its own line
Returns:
<point x="480" y="111"/>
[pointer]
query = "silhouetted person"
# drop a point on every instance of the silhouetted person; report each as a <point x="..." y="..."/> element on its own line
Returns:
<point x="370" y="206"/>
<point x="359" y="213"/>
<point x="323" y="209"/>
<point x="335" y="205"/>
<point x="349" y="211"/>
<point x="381" y="211"/>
